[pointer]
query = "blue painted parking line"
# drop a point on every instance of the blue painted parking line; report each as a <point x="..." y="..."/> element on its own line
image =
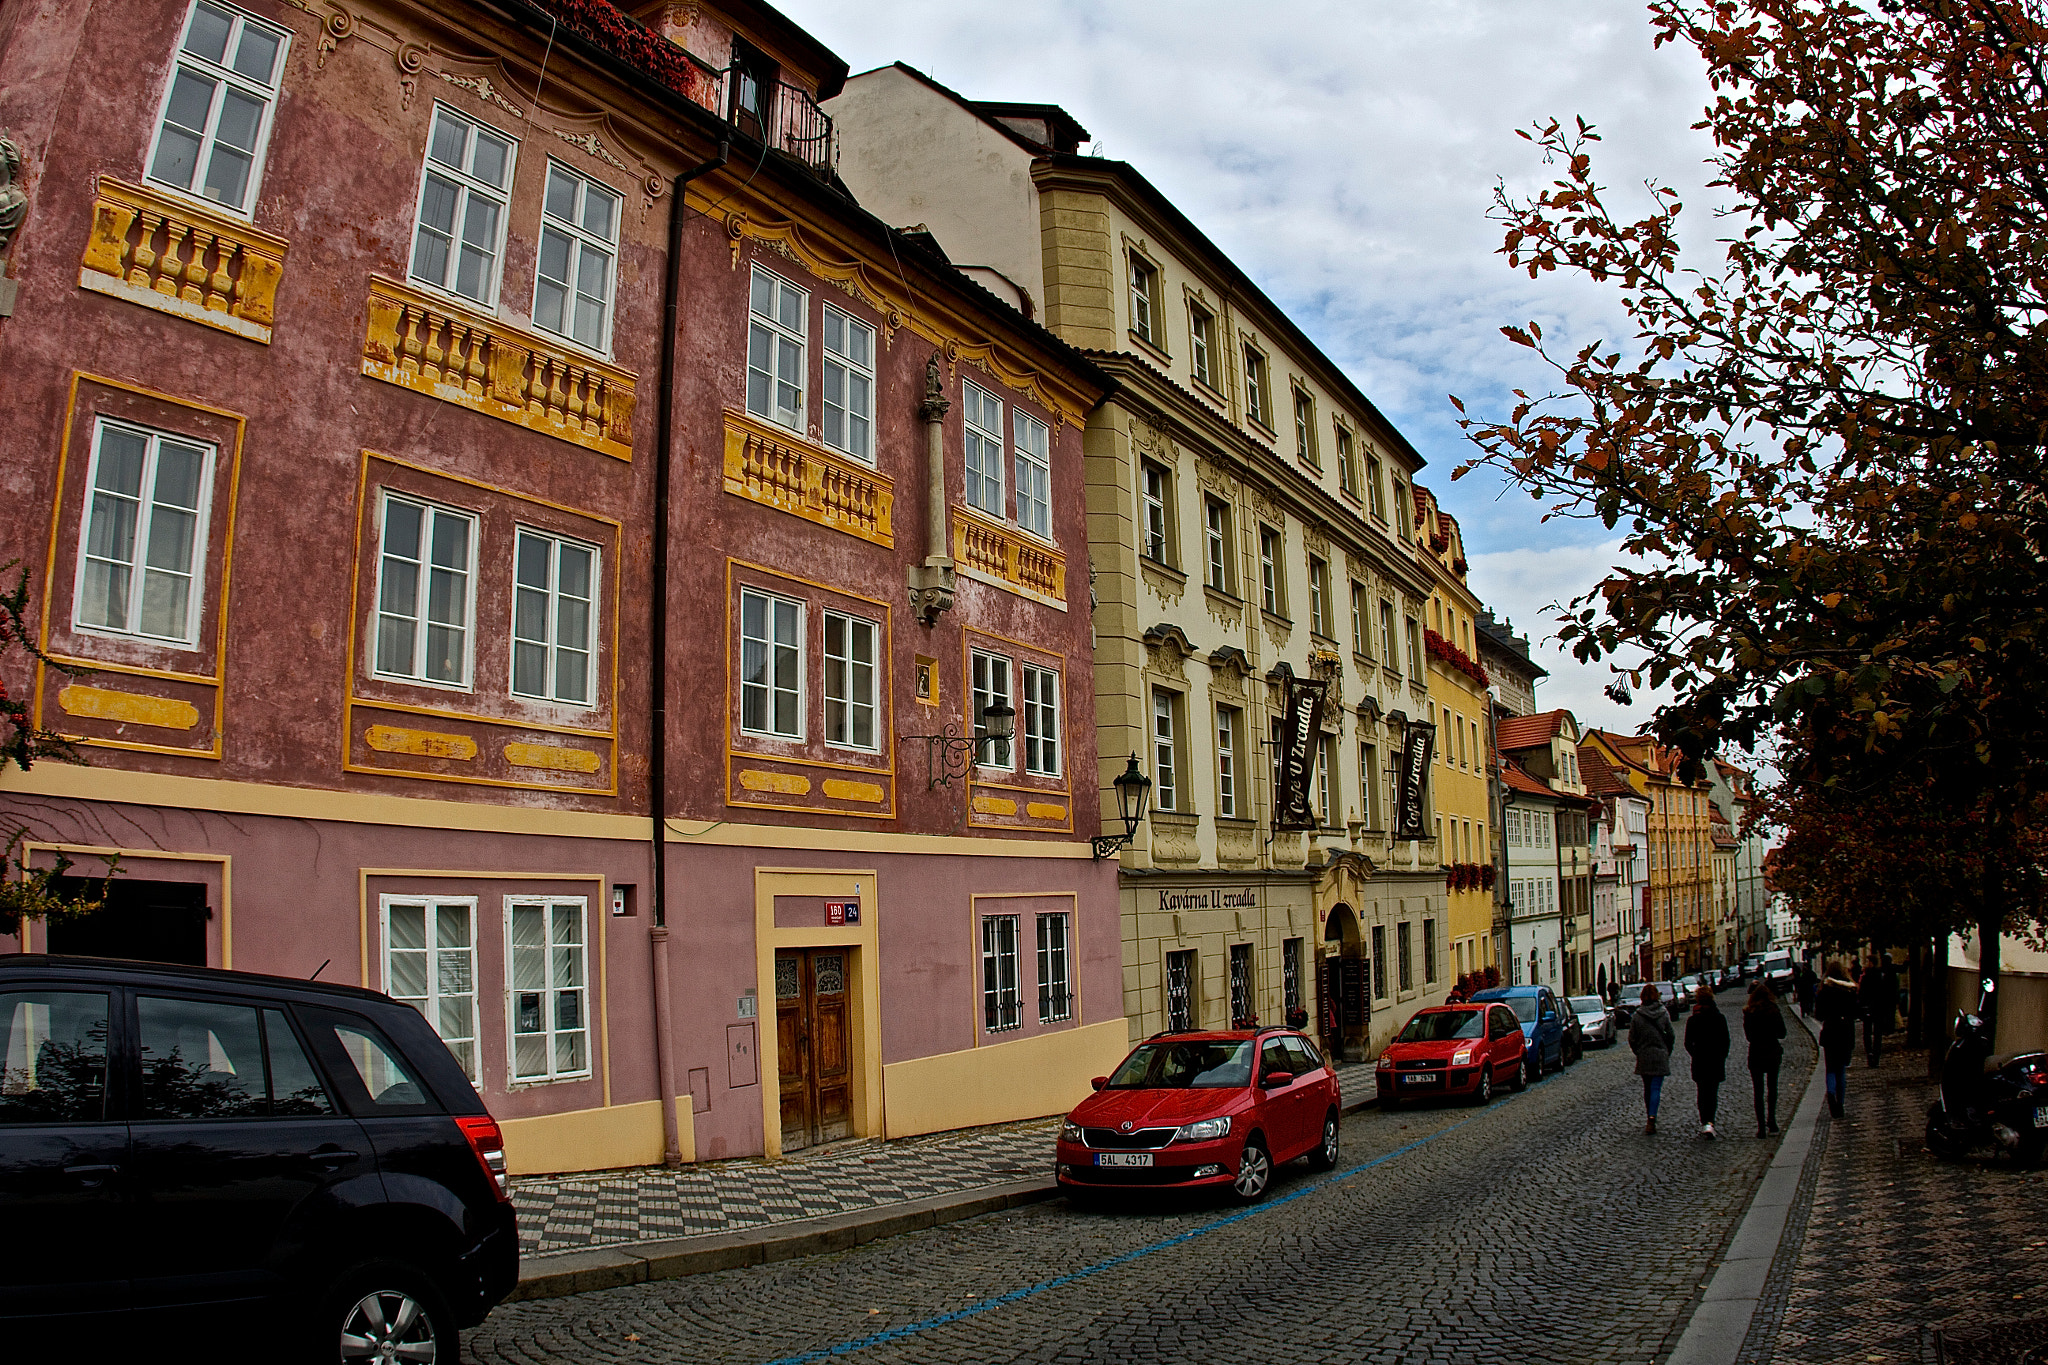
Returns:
<point x="981" y="1306"/>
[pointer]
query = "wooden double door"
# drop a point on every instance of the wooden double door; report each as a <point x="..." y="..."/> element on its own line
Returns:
<point x="813" y="1035"/>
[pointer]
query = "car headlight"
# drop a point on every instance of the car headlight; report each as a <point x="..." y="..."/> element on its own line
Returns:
<point x="1070" y="1131"/>
<point x="1386" y="1064"/>
<point x="1208" y="1130"/>
<point x="1462" y="1057"/>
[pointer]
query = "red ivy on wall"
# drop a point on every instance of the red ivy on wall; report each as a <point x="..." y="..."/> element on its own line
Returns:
<point x="1451" y="656"/>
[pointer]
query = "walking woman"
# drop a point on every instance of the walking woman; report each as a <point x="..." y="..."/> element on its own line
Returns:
<point x="1763" y="1025"/>
<point x="1838" y="1010"/>
<point x="1706" y="1041"/>
<point x="1650" y="1037"/>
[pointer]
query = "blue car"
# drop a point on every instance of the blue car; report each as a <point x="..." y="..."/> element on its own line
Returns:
<point x="1543" y="1025"/>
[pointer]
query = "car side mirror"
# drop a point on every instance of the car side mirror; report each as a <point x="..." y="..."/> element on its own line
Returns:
<point x="1274" y="1080"/>
<point x="1096" y="1083"/>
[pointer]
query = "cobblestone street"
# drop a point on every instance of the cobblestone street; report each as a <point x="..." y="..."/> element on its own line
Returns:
<point x="1542" y="1228"/>
<point x="1896" y="1243"/>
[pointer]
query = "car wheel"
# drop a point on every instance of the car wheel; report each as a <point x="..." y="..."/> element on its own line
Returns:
<point x="1484" y="1093"/>
<point x="1535" y="1065"/>
<point x="386" y="1310"/>
<point x="1254" y="1172"/>
<point x="1521" y="1080"/>
<point x="1325" y="1154"/>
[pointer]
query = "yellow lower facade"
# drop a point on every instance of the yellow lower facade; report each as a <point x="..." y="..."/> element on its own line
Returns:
<point x="1022" y="1079"/>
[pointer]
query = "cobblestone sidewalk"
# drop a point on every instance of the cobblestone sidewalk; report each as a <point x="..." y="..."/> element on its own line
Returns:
<point x="579" y="1212"/>
<point x="563" y="1213"/>
<point x="1896" y="1243"/>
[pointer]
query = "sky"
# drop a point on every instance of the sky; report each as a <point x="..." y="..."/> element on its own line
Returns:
<point x="1345" y="155"/>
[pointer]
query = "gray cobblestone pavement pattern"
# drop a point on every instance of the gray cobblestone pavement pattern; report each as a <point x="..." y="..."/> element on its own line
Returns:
<point x="1894" y="1243"/>
<point x="1544" y="1227"/>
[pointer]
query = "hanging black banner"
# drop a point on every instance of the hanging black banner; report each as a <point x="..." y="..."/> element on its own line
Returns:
<point x="1300" y="729"/>
<point x="1409" y="821"/>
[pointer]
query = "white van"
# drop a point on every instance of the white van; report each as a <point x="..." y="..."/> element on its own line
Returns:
<point x="1777" y="969"/>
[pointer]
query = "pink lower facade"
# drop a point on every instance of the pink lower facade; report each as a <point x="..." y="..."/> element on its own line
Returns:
<point x="904" y="920"/>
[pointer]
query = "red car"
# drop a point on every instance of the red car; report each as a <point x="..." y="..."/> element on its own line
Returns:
<point x="1190" y="1109"/>
<point x="1462" y="1050"/>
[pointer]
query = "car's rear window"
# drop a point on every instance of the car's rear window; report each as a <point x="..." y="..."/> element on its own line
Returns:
<point x="1186" y="1065"/>
<point x="1441" y="1026"/>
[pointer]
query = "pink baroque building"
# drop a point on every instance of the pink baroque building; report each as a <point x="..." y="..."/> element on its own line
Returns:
<point x="516" y="534"/>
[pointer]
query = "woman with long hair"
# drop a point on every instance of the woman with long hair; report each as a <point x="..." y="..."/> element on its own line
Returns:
<point x="1763" y="1026"/>
<point x="1651" y="1036"/>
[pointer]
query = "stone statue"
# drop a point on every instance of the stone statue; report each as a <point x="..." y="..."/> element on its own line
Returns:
<point x="935" y="405"/>
<point x="13" y="199"/>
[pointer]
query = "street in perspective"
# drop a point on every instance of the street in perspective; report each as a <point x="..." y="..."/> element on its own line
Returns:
<point x="699" y="682"/>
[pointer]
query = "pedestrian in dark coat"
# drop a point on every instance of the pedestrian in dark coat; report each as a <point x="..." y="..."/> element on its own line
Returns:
<point x="1877" y="996"/>
<point x="1763" y="1026"/>
<point x="1706" y="1041"/>
<point x="1838" y="1008"/>
<point x="1650" y="1037"/>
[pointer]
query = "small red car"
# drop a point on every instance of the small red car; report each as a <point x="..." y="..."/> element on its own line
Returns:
<point x="1462" y="1050"/>
<point x="1215" y="1108"/>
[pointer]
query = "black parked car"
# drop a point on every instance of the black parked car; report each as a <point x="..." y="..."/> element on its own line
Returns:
<point x="177" y="1141"/>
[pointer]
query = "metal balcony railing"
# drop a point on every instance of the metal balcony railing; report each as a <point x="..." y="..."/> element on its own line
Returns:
<point x="783" y="116"/>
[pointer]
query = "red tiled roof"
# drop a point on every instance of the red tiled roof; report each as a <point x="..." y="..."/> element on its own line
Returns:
<point x="1530" y="732"/>
<point x="1601" y="779"/>
<point x="1516" y="779"/>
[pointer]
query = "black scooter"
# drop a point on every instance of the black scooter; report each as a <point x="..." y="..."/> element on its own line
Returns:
<point x="1989" y="1103"/>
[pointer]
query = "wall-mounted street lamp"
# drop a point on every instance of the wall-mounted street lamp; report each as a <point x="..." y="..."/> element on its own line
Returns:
<point x="1133" y="793"/>
<point x="948" y="753"/>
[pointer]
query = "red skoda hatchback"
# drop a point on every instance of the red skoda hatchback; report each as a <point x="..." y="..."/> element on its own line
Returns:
<point x="1204" y="1109"/>
<point x="1462" y="1050"/>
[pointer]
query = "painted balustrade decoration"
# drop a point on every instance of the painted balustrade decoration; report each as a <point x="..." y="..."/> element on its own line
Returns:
<point x="777" y="468"/>
<point x="165" y="253"/>
<point x="422" y="342"/>
<point x="1008" y="555"/>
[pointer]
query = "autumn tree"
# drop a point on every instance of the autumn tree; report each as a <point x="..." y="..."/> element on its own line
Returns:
<point x="1823" y="444"/>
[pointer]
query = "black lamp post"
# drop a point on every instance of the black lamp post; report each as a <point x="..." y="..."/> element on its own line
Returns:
<point x="1133" y="794"/>
<point x="946" y="753"/>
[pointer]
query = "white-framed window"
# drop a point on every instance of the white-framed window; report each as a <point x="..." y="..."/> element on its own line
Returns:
<point x="1202" y="342"/>
<point x="554" y="618"/>
<point x="1361" y="641"/>
<point x="1318" y="596"/>
<point x="776" y="315"/>
<point x="426" y="575"/>
<point x="1155" y="513"/>
<point x="850" y="668"/>
<point x="1271" y="596"/>
<point x="1416" y="668"/>
<point x="459" y="237"/>
<point x="1368" y="786"/>
<point x="1055" y="981"/>
<point x="430" y="964"/>
<point x="1165" y="725"/>
<point x="1143" y="283"/>
<point x="1305" y="448"/>
<point x="1000" y="1006"/>
<point x="1217" y="519"/>
<point x="1040" y="720"/>
<point x="1326" y="773"/>
<point x="771" y="665"/>
<point x="1226" y="760"/>
<point x="1389" y="656"/>
<point x="141" y="560"/>
<point x="1034" y="473"/>
<point x="579" y="241"/>
<point x="1347" y="467"/>
<point x="849" y="385"/>
<point x="548" y="1005"/>
<point x="215" y="120"/>
<point x="1256" y="405"/>
<point x="990" y="683"/>
<point x="1375" y="491"/>
<point x="982" y="434"/>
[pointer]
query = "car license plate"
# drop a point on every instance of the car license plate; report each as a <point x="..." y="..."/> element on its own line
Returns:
<point x="1123" y="1158"/>
<point x="1422" y="1078"/>
<point x="2041" y="1117"/>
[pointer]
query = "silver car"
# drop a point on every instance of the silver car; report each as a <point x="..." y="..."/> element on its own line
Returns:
<point x="1596" y="1021"/>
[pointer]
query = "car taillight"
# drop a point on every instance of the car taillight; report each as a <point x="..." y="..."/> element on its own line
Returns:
<point x="488" y="1142"/>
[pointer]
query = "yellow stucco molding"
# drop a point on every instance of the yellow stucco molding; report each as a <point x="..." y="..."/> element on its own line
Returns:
<point x="165" y="252"/>
<point x="133" y="708"/>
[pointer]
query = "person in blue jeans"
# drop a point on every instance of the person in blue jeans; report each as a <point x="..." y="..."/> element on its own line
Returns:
<point x="1838" y="1008"/>
<point x="1651" y="1036"/>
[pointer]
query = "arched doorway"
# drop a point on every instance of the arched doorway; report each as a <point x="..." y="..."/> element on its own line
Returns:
<point x="1344" y="1009"/>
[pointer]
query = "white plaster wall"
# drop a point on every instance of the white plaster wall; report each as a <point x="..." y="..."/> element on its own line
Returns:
<point x="911" y="156"/>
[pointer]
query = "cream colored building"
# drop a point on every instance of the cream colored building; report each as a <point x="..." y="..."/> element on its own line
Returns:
<point x="1251" y="518"/>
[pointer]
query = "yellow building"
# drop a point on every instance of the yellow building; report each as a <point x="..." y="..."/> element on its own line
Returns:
<point x="1457" y="707"/>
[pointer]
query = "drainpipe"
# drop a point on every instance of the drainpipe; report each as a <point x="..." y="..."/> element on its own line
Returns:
<point x="931" y="583"/>
<point x="657" y="601"/>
